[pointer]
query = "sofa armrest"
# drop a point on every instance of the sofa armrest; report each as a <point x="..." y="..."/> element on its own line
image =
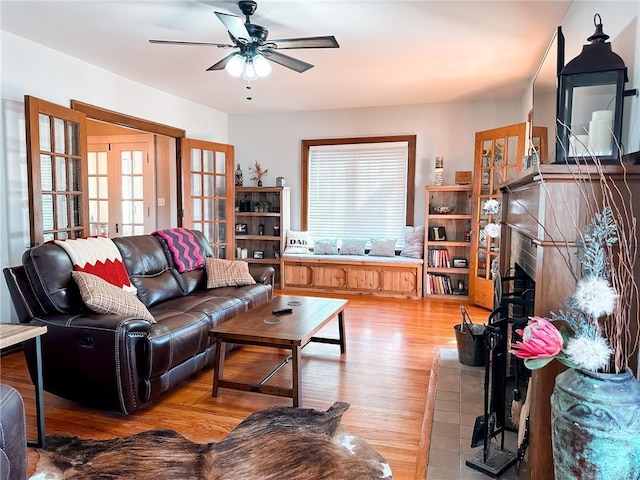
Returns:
<point x="92" y="359"/>
<point x="96" y="321"/>
<point x="266" y="276"/>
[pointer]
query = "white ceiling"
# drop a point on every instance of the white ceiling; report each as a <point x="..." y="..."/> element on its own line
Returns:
<point x="391" y="52"/>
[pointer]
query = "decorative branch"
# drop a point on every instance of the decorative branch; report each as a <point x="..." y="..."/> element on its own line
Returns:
<point x="258" y="172"/>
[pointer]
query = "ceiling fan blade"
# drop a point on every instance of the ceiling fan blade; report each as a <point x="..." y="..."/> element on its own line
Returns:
<point x="235" y="26"/>
<point x="222" y="63"/>
<point x="286" y="61"/>
<point x="306" y="42"/>
<point x="172" y="42"/>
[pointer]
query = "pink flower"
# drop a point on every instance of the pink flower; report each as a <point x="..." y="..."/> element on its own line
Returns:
<point x="540" y="339"/>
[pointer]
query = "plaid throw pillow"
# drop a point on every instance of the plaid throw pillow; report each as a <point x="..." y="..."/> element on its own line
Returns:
<point x="227" y="273"/>
<point x="103" y="297"/>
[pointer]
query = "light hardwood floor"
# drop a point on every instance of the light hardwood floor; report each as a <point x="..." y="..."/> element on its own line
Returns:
<point x="384" y="376"/>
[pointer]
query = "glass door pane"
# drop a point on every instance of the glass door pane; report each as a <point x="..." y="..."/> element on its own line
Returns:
<point x="121" y="185"/>
<point x="98" y="192"/>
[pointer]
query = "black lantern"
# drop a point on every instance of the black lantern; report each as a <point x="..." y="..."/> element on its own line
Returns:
<point x="590" y="99"/>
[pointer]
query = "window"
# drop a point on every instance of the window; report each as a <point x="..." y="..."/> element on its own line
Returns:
<point x="358" y="187"/>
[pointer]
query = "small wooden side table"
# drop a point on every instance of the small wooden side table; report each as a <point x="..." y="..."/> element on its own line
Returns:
<point x="11" y="334"/>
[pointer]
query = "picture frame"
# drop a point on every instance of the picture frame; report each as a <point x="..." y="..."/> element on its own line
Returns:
<point x="258" y="254"/>
<point x="242" y="228"/>
<point x="460" y="263"/>
<point x="437" y="234"/>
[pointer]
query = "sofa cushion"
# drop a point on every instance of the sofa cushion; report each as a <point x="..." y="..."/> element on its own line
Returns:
<point x="103" y="297"/>
<point x="148" y="268"/>
<point x="227" y="273"/>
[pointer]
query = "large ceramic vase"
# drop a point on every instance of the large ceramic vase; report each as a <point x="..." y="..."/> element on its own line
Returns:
<point x="596" y="426"/>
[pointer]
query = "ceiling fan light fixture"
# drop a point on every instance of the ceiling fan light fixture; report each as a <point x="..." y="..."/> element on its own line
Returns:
<point x="235" y="66"/>
<point x="249" y="73"/>
<point x="261" y="65"/>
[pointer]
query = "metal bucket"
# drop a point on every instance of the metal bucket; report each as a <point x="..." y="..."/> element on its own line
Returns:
<point x="470" y="341"/>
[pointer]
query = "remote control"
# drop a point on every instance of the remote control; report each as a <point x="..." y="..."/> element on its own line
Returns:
<point x="280" y="311"/>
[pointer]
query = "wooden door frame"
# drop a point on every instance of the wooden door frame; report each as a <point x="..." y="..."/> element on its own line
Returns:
<point x="109" y="116"/>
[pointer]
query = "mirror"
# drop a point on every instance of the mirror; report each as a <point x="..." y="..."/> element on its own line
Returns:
<point x="545" y="93"/>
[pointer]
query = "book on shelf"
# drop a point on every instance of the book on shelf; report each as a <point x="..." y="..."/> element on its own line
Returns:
<point x="439" y="284"/>
<point x="439" y="258"/>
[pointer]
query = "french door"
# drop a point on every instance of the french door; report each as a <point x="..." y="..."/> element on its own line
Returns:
<point x="498" y="157"/>
<point x="56" y="162"/>
<point x="121" y="185"/>
<point x="208" y="192"/>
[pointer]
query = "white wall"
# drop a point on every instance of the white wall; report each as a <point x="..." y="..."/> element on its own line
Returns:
<point x="446" y="130"/>
<point x="621" y="21"/>
<point x="32" y="69"/>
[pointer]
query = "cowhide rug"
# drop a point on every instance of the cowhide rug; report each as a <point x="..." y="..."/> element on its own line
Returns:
<point x="276" y="443"/>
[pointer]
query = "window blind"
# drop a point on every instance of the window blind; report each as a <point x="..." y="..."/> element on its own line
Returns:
<point x="358" y="191"/>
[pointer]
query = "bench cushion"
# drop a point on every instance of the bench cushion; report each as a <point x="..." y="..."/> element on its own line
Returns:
<point x="352" y="258"/>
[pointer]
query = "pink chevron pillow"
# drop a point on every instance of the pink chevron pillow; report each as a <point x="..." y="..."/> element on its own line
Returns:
<point x="184" y="247"/>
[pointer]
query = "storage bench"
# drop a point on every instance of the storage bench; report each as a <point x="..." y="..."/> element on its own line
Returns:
<point x="399" y="277"/>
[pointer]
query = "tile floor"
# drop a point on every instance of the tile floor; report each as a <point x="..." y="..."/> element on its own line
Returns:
<point x="459" y="400"/>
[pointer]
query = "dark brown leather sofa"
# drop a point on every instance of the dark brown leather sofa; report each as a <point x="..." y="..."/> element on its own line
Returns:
<point x="116" y="362"/>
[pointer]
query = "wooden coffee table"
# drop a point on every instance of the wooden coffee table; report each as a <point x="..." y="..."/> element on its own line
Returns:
<point x="290" y="331"/>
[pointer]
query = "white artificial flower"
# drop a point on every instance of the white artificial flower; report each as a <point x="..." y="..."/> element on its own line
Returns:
<point x="491" y="206"/>
<point x="588" y="353"/>
<point x="493" y="230"/>
<point x="594" y="296"/>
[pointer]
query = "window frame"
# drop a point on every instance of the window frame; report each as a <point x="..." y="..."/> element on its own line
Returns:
<point x="411" y="168"/>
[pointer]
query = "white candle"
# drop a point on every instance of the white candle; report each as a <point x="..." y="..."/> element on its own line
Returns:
<point x="606" y="115"/>
<point x="579" y="145"/>
<point x="600" y="137"/>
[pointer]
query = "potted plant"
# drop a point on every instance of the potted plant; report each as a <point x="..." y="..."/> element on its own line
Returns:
<point x="258" y="173"/>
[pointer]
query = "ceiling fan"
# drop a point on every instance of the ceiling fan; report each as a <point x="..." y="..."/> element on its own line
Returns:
<point x="255" y="49"/>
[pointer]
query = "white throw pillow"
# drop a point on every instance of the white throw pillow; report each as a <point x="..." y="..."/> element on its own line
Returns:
<point x="352" y="246"/>
<point x="383" y="248"/>
<point x="413" y="242"/>
<point x="297" y="242"/>
<point x="325" y="247"/>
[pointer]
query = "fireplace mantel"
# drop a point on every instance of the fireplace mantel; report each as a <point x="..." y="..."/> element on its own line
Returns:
<point x="543" y="209"/>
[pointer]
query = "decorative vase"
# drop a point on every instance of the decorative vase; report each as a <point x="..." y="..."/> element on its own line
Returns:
<point x="596" y="426"/>
<point x="238" y="175"/>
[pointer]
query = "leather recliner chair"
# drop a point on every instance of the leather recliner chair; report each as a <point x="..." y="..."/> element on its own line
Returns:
<point x="13" y="440"/>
